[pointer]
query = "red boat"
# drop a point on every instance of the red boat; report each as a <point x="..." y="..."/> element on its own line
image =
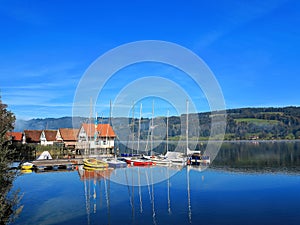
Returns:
<point x="139" y="162"/>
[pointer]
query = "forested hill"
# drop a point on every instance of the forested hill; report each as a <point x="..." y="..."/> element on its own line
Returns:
<point x="250" y="124"/>
<point x="243" y="123"/>
<point x="263" y="123"/>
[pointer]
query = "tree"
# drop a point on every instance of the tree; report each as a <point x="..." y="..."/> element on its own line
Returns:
<point x="8" y="201"/>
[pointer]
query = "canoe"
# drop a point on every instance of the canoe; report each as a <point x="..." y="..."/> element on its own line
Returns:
<point x="94" y="163"/>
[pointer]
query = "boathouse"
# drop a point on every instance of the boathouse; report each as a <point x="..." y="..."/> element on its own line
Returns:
<point x="32" y="136"/>
<point x="68" y="136"/>
<point x="15" y="137"/>
<point x="48" y="137"/>
<point x="96" y="139"/>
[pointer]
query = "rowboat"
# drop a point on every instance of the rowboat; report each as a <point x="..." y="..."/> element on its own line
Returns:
<point x="94" y="163"/>
<point x="27" y="166"/>
<point x="139" y="162"/>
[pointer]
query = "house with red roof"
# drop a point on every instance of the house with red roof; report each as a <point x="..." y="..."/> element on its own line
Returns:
<point x="15" y="137"/>
<point x="48" y="137"/>
<point x="96" y="138"/>
<point x="32" y="136"/>
<point x="68" y="136"/>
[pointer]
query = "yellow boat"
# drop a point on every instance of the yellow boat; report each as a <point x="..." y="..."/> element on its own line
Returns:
<point x="94" y="163"/>
<point x="27" y="166"/>
<point x="95" y="168"/>
<point x="26" y="171"/>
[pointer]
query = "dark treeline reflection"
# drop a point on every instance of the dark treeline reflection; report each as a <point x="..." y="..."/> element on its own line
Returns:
<point x="264" y="155"/>
<point x="278" y="155"/>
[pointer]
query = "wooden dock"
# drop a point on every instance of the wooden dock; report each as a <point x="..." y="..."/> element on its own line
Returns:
<point x="56" y="163"/>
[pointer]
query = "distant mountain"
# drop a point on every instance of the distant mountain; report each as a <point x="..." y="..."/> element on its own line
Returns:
<point x="242" y="124"/>
<point x="48" y="123"/>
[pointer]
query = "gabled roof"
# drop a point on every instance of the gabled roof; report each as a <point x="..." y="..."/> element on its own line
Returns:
<point x="32" y="136"/>
<point x="104" y="130"/>
<point x="15" y="136"/>
<point x="68" y="134"/>
<point x="50" y="135"/>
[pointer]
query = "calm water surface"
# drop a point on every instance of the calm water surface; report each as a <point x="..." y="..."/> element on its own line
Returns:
<point x="218" y="195"/>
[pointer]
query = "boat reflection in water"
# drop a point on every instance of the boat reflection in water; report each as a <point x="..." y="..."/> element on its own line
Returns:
<point x="142" y="186"/>
<point x="92" y="179"/>
<point x="247" y="183"/>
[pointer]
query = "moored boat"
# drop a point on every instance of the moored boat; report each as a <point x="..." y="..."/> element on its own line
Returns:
<point x="177" y="158"/>
<point x="87" y="173"/>
<point x="159" y="160"/>
<point x="115" y="163"/>
<point x="94" y="163"/>
<point x="88" y="168"/>
<point x="139" y="162"/>
<point x="195" y="157"/>
<point x="27" y="166"/>
<point x="26" y="171"/>
<point x="198" y="158"/>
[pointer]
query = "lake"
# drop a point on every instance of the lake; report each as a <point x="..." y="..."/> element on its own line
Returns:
<point x="248" y="183"/>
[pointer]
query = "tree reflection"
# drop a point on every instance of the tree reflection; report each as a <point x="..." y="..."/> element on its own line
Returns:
<point x="8" y="200"/>
<point x="278" y="156"/>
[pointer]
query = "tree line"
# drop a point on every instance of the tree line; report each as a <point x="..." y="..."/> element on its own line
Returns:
<point x="9" y="201"/>
<point x="242" y="124"/>
<point x="264" y="123"/>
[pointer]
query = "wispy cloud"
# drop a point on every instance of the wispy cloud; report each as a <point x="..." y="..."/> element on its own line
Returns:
<point x="21" y="11"/>
<point x="236" y="14"/>
<point x="51" y="86"/>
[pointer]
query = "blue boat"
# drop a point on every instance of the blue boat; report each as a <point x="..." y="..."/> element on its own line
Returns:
<point x="115" y="163"/>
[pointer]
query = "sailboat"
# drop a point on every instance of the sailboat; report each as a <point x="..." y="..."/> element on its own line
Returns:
<point x="90" y="179"/>
<point x="195" y="156"/>
<point x="90" y="163"/>
<point x="137" y="161"/>
<point x="157" y="159"/>
<point x="176" y="158"/>
<point x="114" y="162"/>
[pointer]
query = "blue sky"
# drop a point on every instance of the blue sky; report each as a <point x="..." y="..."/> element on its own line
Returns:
<point x="252" y="47"/>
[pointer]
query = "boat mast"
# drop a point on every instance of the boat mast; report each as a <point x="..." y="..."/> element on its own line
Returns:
<point x="89" y="135"/>
<point x="152" y="127"/>
<point x="132" y="124"/>
<point x="187" y="127"/>
<point x="169" y="199"/>
<point x="96" y="131"/>
<point x="167" y="131"/>
<point x="109" y="124"/>
<point x="108" y="150"/>
<point x="109" y="113"/>
<point x="139" y="130"/>
<point x="189" y="194"/>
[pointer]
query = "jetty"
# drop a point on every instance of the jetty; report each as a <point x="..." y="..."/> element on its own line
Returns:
<point x="56" y="163"/>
